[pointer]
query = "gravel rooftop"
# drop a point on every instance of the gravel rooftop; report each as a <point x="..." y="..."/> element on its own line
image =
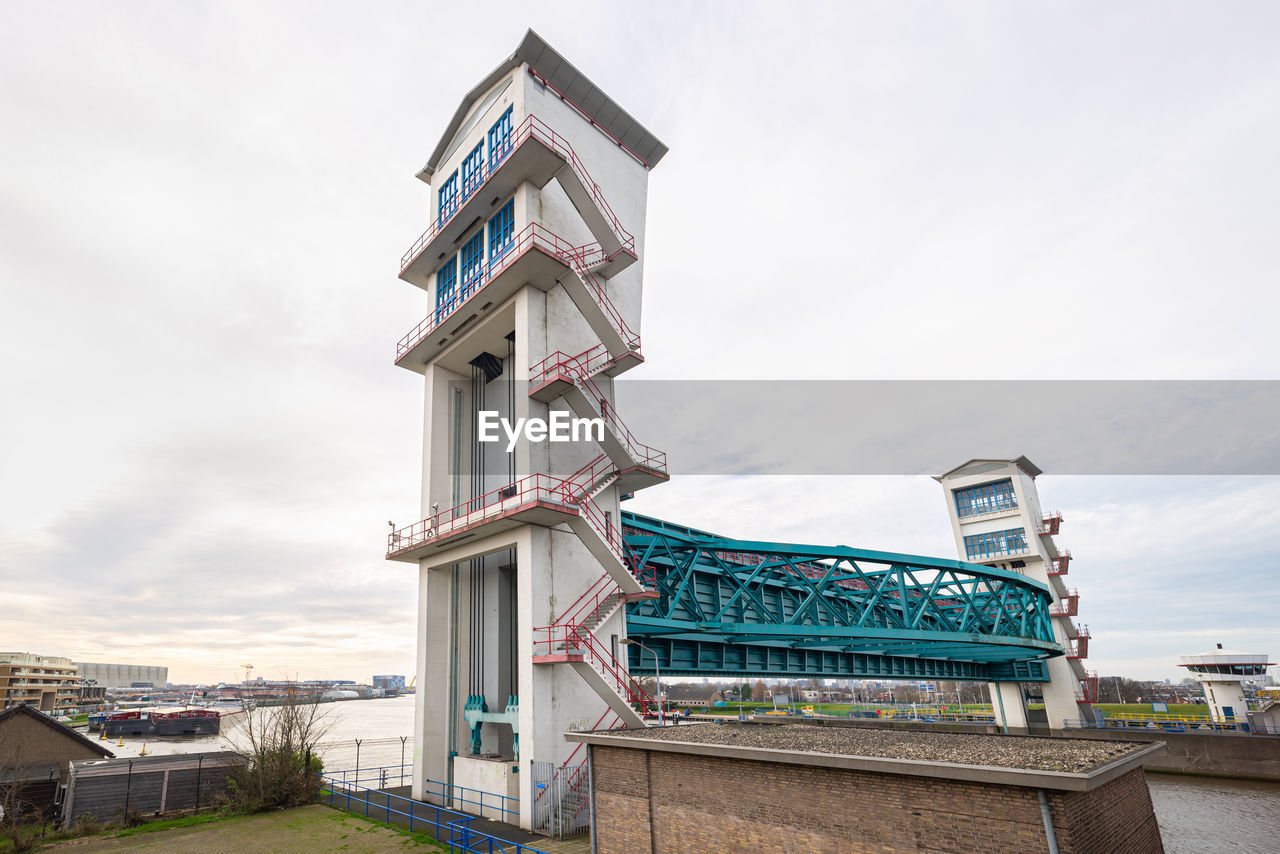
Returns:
<point x="1003" y="751"/>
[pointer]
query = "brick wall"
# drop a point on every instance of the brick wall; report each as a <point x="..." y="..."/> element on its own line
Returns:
<point x="671" y="802"/>
<point x="27" y="741"/>
<point x="1115" y="818"/>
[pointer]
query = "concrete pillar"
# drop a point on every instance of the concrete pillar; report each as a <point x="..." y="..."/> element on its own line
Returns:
<point x="1010" y="706"/>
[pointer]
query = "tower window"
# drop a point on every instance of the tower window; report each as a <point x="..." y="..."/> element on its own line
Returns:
<point x="995" y="544"/>
<point x="447" y="198"/>
<point x="446" y="287"/>
<point x="501" y="231"/>
<point x="473" y="260"/>
<point x="500" y="139"/>
<point x="472" y="175"/>
<point x="985" y="498"/>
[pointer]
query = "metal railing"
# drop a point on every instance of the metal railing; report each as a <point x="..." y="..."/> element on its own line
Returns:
<point x="1069" y="605"/>
<point x="450" y="827"/>
<point x="585" y="480"/>
<point x="1049" y="524"/>
<point x="572" y="369"/>
<point x="567" y="638"/>
<point x="593" y="601"/>
<point x="589" y="362"/>
<point x="496" y="503"/>
<point x="478" y="511"/>
<point x="531" y="128"/>
<point x="533" y="236"/>
<point x="1198" y="726"/>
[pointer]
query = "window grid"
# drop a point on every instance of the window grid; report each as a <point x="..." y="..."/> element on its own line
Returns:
<point x="446" y="285"/>
<point x="472" y="258"/>
<point x="500" y="139"/>
<point x="448" y="198"/>
<point x="995" y="544"/>
<point x="472" y="174"/>
<point x="501" y="230"/>
<point x="986" y="498"/>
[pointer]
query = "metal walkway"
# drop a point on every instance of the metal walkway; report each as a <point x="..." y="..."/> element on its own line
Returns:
<point x="741" y="608"/>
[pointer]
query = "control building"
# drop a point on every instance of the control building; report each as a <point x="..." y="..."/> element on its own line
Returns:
<point x="997" y="520"/>
<point x="1222" y="673"/>
<point x="532" y="273"/>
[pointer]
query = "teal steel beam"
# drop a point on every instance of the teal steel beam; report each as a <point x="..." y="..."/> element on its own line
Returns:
<point x="793" y="607"/>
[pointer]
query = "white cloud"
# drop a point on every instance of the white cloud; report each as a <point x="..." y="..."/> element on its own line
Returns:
<point x="203" y="434"/>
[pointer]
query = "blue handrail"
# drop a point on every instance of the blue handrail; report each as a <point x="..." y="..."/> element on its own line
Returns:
<point x="449" y="826"/>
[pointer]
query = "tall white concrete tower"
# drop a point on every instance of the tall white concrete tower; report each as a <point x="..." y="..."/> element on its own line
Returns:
<point x="1222" y="673"/>
<point x="532" y="268"/>
<point x="997" y="520"/>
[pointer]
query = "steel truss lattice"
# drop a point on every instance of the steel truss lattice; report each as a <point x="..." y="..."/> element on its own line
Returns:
<point x="742" y="608"/>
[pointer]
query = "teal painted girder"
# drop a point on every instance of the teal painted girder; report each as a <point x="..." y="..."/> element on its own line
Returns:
<point x="738" y="608"/>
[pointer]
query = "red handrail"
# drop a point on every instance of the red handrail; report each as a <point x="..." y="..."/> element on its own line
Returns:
<point x="532" y="237"/>
<point x="535" y="487"/>
<point x="526" y="490"/>
<point x="531" y="128"/>
<point x="640" y="452"/>
<point x="590" y="601"/>
<point x="589" y="646"/>
<point x="584" y="479"/>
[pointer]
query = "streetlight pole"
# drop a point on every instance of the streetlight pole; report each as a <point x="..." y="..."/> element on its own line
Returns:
<point x="657" y="675"/>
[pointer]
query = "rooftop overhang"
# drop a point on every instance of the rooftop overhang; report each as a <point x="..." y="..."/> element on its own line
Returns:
<point x="1021" y="462"/>
<point x="1077" y="781"/>
<point x="571" y="83"/>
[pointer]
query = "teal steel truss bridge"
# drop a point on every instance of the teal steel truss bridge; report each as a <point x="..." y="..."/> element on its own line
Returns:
<point x="727" y="607"/>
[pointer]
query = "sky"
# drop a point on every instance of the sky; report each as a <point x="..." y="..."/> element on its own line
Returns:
<point x="202" y="208"/>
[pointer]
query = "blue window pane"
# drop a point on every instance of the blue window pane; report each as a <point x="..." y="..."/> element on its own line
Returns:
<point x="472" y="173"/>
<point x="500" y="139"/>
<point x="448" y="198"/>
<point x="995" y="544"/>
<point x="472" y="262"/>
<point x="986" y="498"/>
<point x="501" y="231"/>
<point x="447" y="287"/>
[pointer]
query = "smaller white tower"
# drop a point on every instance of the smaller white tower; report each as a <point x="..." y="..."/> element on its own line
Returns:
<point x="1223" y="672"/>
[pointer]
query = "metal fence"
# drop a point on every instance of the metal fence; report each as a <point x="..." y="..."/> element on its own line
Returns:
<point x="501" y="807"/>
<point x="448" y="826"/>
<point x="1200" y="726"/>
<point x="562" y="799"/>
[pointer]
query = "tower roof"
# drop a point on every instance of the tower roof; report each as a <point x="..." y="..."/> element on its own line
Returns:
<point x="574" y="86"/>
<point x="1021" y="462"/>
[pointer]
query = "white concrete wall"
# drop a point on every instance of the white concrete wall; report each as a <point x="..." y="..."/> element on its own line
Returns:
<point x="553" y="567"/>
<point x="1223" y="693"/>
<point x="1064" y="674"/>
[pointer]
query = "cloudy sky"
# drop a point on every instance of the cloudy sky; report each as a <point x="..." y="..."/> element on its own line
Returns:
<point x="202" y="207"/>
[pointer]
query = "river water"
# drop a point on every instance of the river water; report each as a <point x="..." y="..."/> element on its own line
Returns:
<point x="1197" y="815"/>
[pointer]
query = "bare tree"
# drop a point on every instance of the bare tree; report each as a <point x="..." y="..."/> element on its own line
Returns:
<point x="279" y="742"/>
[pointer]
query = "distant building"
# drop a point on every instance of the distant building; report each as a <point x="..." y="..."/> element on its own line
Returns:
<point x="47" y="683"/>
<point x="389" y="683"/>
<point x="90" y="692"/>
<point x="124" y="675"/>
<point x="1223" y="673"/>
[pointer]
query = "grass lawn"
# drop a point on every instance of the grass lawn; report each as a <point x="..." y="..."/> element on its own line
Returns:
<point x="309" y="828"/>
